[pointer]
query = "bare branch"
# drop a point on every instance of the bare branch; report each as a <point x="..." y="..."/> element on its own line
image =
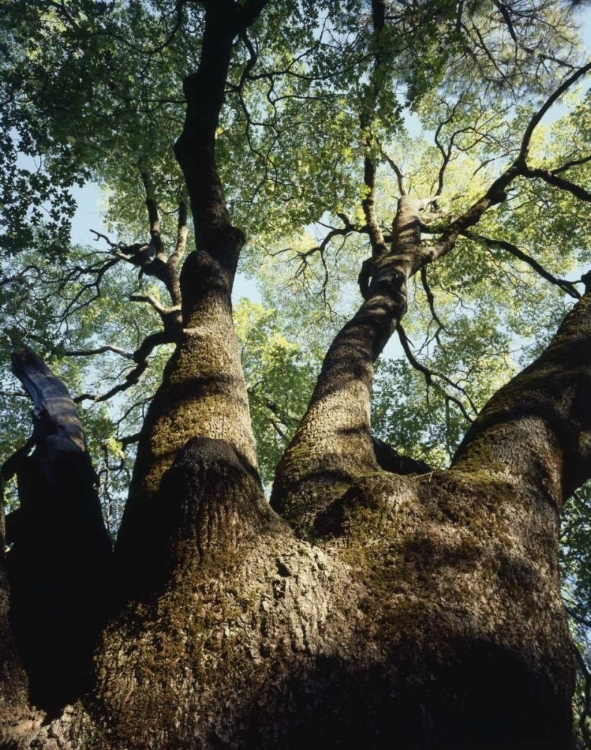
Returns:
<point x="429" y="374"/>
<point x="100" y="350"/>
<point x="445" y="151"/>
<point x="565" y="285"/>
<point x="571" y="164"/>
<point x="577" y="617"/>
<point x="100" y="236"/>
<point x="273" y="407"/>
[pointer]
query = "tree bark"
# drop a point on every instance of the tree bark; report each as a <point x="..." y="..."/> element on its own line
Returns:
<point x="365" y="608"/>
<point x="426" y="614"/>
<point x="204" y="392"/>
<point x="59" y="559"/>
<point x="333" y="443"/>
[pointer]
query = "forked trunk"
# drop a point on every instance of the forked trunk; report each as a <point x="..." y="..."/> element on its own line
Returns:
<point x="426" y="614"/>
<point x="364" y="608"/>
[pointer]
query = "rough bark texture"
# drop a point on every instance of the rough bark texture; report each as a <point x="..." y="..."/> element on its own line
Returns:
<point x="537" y="429"/>
<point x="333" y="443"/>
<point x="426" y="613"/>
<point x="203" y="395"/>
<point x="429" y="618"/>
<point x="204" y="392"/>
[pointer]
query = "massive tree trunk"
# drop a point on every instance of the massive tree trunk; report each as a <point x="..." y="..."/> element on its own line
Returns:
<point x="426" y="614"/>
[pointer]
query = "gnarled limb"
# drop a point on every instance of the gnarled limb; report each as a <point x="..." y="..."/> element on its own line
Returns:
<point x="58" y="564"/>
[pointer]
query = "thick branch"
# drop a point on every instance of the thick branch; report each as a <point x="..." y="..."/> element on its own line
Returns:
<point x="58" y="565"/>
<point x="376" y="237"/>
<point x="536" y="430"/>
<point x="177" y="255"/>
<point x="203" y="399"/>
<point x="195" y="148"/>
<point x="396" y="169"/>
<point x="560" y="182"/>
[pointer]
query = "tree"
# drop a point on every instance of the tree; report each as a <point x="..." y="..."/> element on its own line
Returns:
<point x="376" y="599"/>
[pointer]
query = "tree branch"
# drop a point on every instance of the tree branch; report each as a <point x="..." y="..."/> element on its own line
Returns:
<point x="565" y="285"/>
<point x="537" y="118"/>
<point x="141" y="357"/>
<point x="395" y="168"/>
<point x="553" y="179"/>
<point x="430" y="374"/>
<point x="535" y="429"/>
<point x="430" y="298"/>
<point x="99" y="350"/>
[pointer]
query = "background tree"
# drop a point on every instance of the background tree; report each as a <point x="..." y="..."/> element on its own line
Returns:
<point x="413" y="604"/>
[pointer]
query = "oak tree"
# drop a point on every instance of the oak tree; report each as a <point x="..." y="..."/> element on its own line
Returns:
<point x="387" y="585"/>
